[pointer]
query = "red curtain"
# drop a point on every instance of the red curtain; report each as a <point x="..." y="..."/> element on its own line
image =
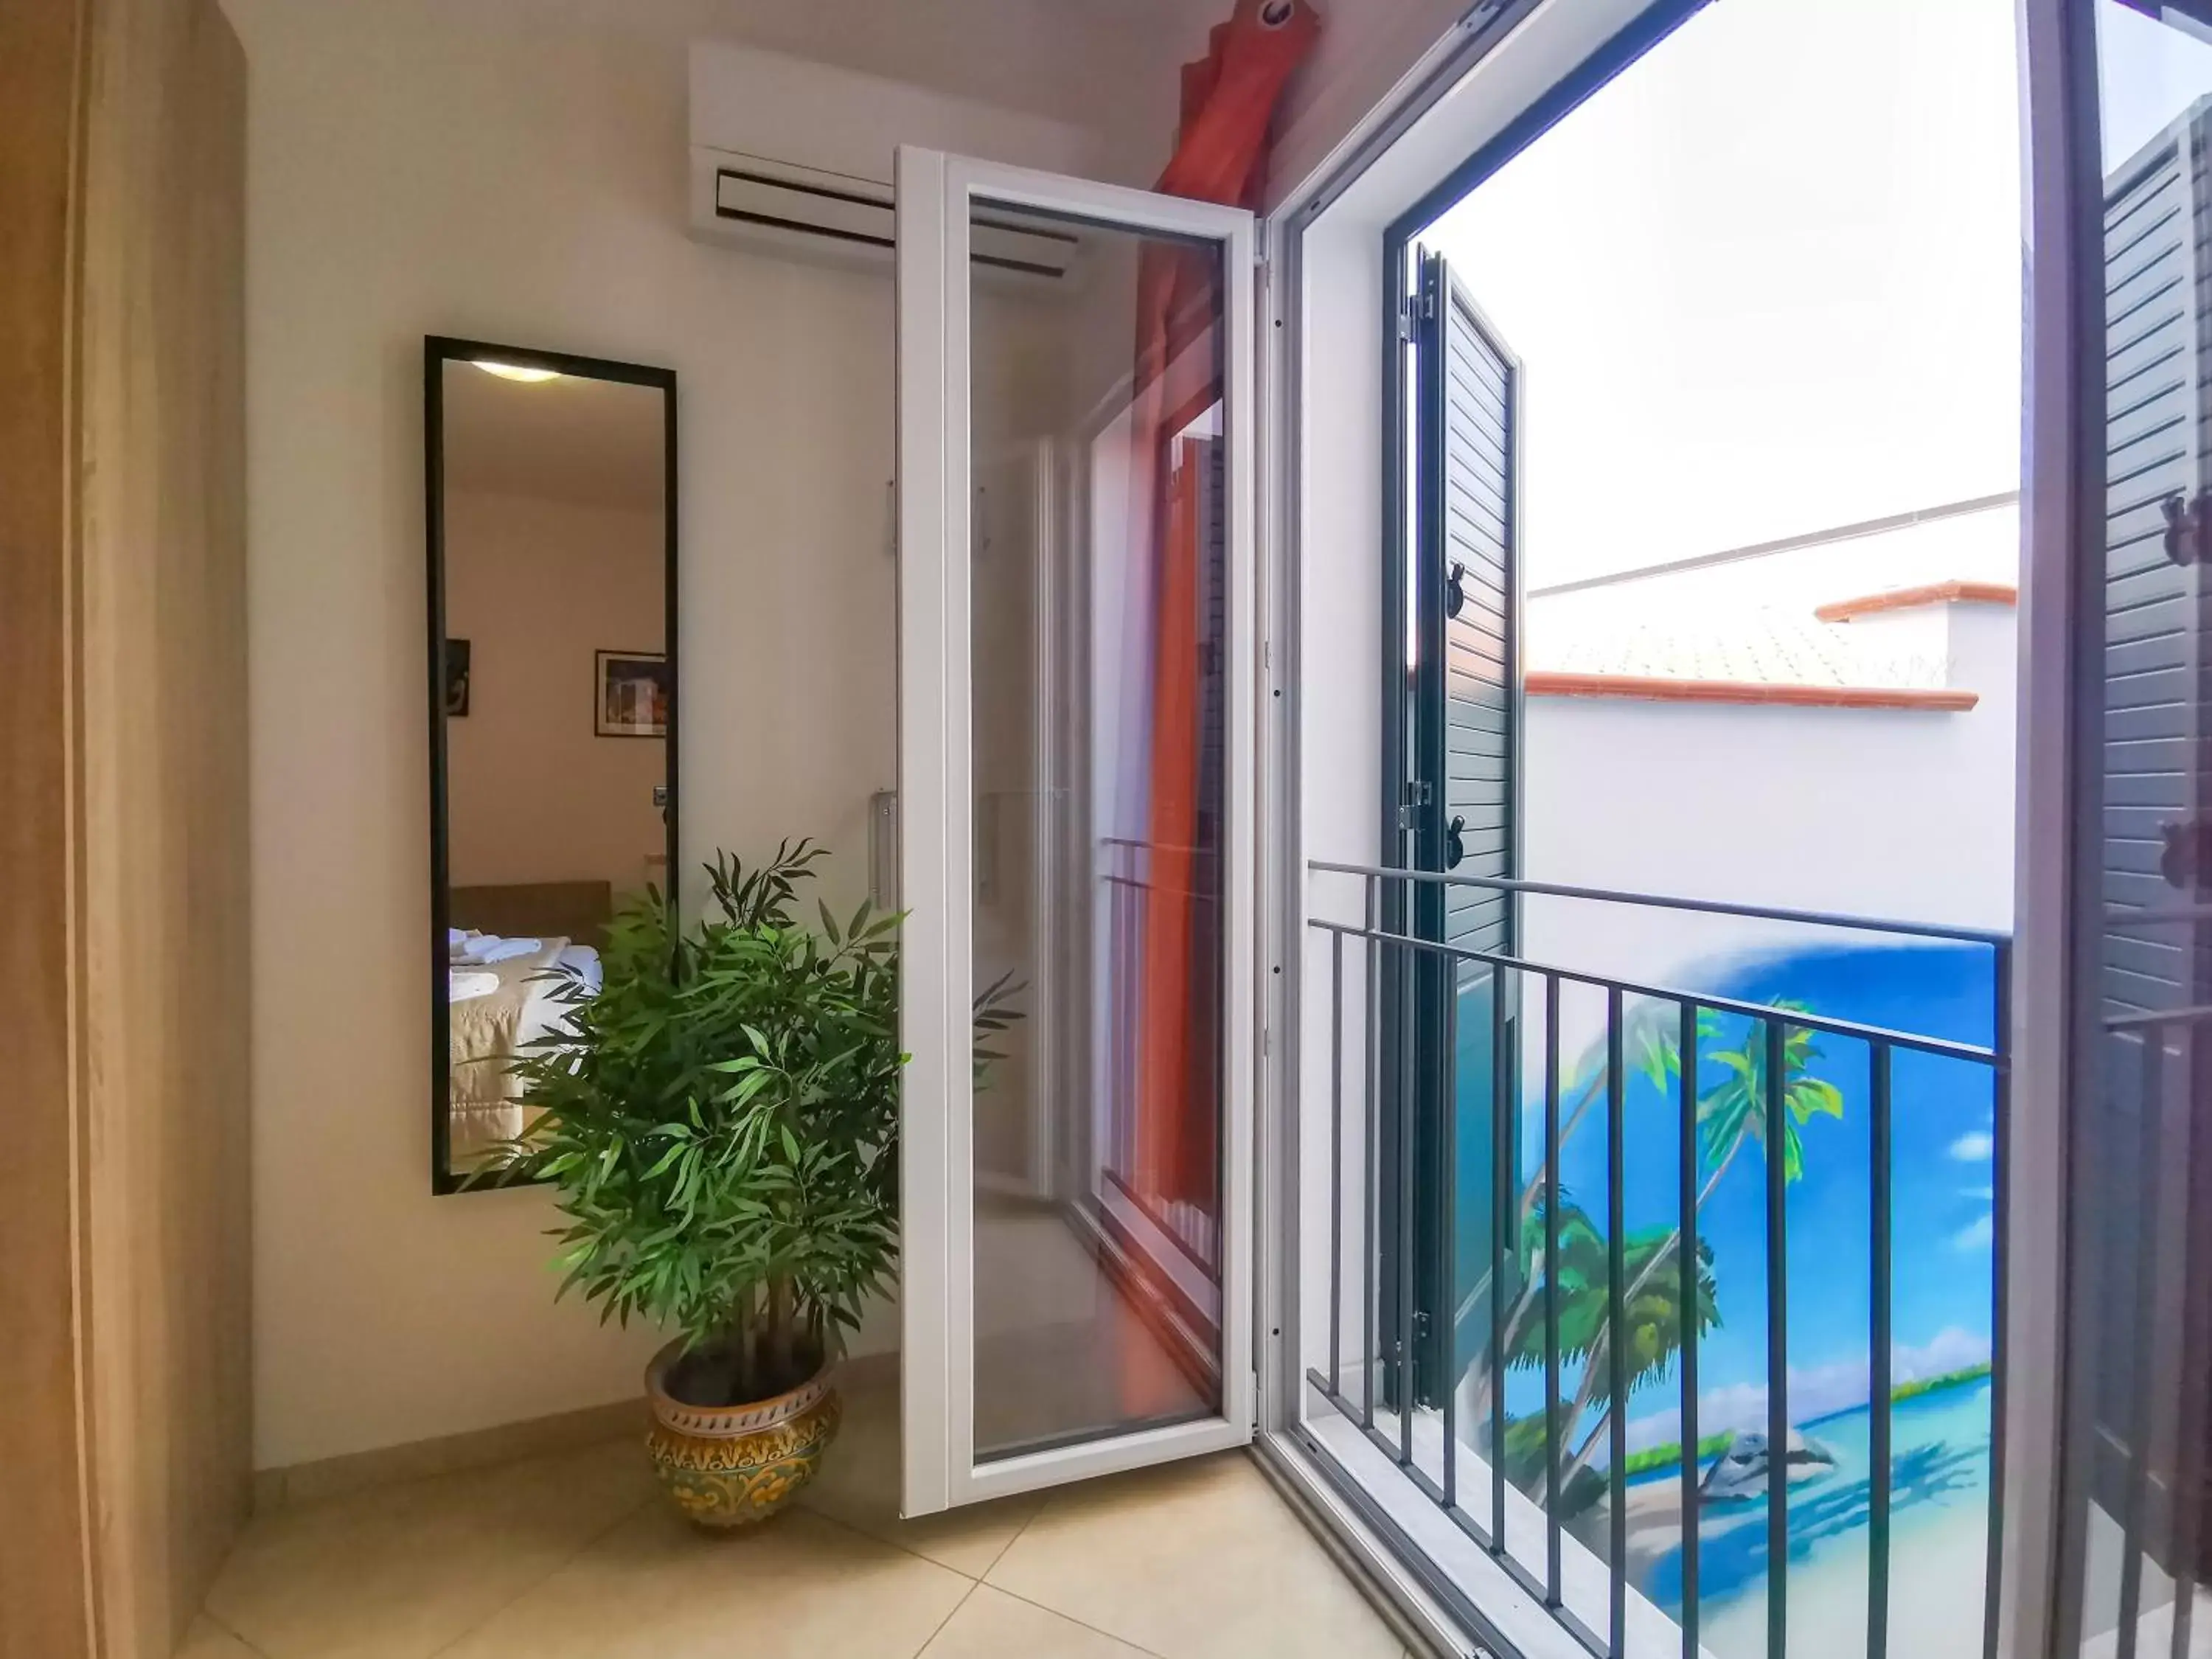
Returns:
<point x="1229" y="97"/>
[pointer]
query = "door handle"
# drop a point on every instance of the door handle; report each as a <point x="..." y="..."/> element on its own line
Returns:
<point x="1455" y="843"/>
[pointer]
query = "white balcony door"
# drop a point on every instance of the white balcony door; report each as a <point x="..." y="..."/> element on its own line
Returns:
<point x="1077" y="708"/>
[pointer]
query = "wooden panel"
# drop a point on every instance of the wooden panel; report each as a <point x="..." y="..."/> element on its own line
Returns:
<point x="43" y="1543"/>
<point x="165" y="791"/>
<point x="576" y="911"/>
<point x="125" y="1200"/>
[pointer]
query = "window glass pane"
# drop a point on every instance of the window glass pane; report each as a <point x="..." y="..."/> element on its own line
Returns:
<point x="1099" y="588"/>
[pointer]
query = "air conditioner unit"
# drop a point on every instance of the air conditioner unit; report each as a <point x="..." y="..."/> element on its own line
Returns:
<point x="796" y="156"/>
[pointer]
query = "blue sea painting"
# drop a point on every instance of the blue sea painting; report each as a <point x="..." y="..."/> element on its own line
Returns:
<point x="1942" y="1200"/>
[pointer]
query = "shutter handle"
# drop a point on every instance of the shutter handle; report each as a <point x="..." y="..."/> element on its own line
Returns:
<point x="1455" y="843"/>
<point x="2187" y="524"/>
<point x="1455" y="590"/>
<point x="2186" y="859"/>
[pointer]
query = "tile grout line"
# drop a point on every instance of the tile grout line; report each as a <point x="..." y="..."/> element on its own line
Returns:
<point x="235" y="1636"/>
<point x="979" y="1580"/>
<point x="1084" y="1623"/>
<point x="1017" y="1538"/>
<point x="544" y="1579"/>
<point x="1057" y="1613"/>
<point x="974" y="1585"/>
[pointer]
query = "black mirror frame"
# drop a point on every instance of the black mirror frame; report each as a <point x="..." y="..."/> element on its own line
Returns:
<point x="438" y="351"/>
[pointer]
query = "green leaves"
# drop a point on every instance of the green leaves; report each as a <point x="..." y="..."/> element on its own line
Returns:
<point x="1735" y="1109"/>
<point x="721" y="1120"/>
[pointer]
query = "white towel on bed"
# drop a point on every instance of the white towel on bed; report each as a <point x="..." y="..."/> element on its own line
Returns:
<point x="462" y="984"/>
<point x="485" y="949"/>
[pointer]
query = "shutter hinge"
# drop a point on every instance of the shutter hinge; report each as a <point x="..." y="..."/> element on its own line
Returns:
<point x="1406" y="317"/>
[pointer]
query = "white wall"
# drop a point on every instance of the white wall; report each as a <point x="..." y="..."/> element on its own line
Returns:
<point x="1367" y="47"/>
<point x="514" y="172"/>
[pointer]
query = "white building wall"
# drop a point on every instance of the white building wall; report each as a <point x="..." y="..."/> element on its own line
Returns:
<point x="1900" y="814"/>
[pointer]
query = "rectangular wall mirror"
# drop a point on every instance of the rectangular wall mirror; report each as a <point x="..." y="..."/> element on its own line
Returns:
<point x="552" y="707"/>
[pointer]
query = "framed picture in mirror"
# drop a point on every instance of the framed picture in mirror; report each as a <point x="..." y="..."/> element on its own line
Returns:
<point x="551" y="518"/>
<point x="632" y="700"/>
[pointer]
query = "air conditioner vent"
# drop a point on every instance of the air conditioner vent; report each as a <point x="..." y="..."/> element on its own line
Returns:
<point x="776" y="201"/>
<point x="798" y="157"/>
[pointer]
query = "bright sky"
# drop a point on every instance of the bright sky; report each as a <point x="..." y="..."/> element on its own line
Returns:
<point x="1764" y="283"/>
<point x="2148" y="73"/>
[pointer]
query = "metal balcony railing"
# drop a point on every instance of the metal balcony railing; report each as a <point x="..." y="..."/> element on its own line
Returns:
<point x="1130" y="883"/>
<point x="1516" y="1276"/>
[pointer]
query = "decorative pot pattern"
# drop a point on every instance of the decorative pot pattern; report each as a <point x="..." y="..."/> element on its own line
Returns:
<point x="736" y="1465"/>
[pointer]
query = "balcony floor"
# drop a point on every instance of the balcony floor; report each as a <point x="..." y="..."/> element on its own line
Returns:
<point x="578" y="1556"/>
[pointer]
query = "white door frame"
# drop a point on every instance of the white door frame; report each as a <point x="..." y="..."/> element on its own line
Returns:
<point x="937" y="978"/>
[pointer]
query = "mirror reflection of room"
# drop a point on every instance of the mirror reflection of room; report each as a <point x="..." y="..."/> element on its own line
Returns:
<point x="552" y="564"/>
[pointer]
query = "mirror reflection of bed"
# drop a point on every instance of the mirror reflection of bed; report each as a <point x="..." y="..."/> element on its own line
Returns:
<point x="553" y="698"/>
<point x="519" y="958"/>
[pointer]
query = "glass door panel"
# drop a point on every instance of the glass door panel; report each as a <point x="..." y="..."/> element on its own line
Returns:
<point x="1076" y="670"/>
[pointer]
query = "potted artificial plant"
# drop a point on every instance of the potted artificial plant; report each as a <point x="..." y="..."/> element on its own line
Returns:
<point x="720" y="1120"/>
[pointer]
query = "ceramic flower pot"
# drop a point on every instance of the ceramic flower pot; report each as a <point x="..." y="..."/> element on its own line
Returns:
<point x="733" y="1466"/>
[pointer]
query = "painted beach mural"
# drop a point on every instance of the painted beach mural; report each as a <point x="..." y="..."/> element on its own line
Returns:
<point x="1943" y="1208"/>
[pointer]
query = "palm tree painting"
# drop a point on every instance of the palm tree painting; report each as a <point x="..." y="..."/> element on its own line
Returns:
<point x="1732" y="1112"/>
<point x="1943" y="1286"/>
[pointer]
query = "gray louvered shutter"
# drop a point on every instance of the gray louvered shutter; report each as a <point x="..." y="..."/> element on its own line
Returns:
<point x="1471" y="402"/>
<point x="1467" y="766"/>
<point x="2157" y="282"/>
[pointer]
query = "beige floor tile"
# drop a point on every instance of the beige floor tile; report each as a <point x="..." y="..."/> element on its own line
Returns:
<point x="658" y="1588"/>
<point x="991" y="1624"/>
<point x="1197" y="1560"/>
<point x="859" y="1484"/>
<point x="208" y="1640"/>
<point x="399" y="1571"/>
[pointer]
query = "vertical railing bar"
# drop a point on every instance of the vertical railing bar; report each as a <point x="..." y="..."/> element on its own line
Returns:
<point x="1447" y="1300"/>
<point x="2150" y="1116"/>
<point x="1504" y="1109"/>
<point x="1879" y="1377"/>
<point x="2187" y="1486"/>
<point x="2000" y="1270"/>
<point x="1778" y="1345"/>
<point x="1686" y="1264"/>
<point x="1336" y="1165"/>
<point x="1616" y="1313"/>
<point x="1370" y="1089"/>
<point x="1408" y="1098"/>
<point x="1133" y="948"/>
<point x="1552" y="1585"/>
<point x="1369" y="1140"/>
<point x="1112" y="1042"/>
<point x="1124" y="1107"/>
